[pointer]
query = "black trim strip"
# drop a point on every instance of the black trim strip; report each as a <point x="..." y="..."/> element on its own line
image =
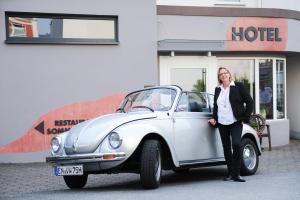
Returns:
<point x="201" y="161"/>
<point x="84" y="41"/>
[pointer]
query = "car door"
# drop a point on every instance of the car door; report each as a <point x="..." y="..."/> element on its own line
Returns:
<point x="195" y="140"/>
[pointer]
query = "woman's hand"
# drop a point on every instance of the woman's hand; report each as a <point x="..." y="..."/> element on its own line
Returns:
<point x="212" y="122"/>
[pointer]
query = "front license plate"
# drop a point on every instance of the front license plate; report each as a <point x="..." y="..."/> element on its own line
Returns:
<point x="71" y="170"/>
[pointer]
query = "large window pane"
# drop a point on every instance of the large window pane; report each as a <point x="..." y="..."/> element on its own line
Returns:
<point x="55" y="28"/>
<point x="280" y="89"/>
<point x="242" y="70"/>
<point x="266" y="88"/>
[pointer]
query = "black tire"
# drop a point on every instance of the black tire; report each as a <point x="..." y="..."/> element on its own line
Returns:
<point x="182" y="171"/>
<point x="76" y="182"/>
<point x="150" y="164"/>
<point x="250" y="159"/>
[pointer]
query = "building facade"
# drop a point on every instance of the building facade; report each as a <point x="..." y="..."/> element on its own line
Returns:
<point x="58" y="69"/>
<point x="256" y="40"/>
<point x="62" y="64"/>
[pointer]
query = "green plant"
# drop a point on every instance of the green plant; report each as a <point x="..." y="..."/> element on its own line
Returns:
<point x="243" y="79"/>
<point x="199" y="86"/>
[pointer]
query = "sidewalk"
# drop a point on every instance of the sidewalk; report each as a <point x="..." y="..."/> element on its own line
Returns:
<point x="18" y="179"/>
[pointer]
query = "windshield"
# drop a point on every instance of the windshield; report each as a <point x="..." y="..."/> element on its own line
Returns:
<point x="158" y="99"/>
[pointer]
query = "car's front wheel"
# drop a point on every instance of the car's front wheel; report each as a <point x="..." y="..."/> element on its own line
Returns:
<point x="250" y="158"/>
<point x="150" y="166"/>
<point x="76" y="182"/>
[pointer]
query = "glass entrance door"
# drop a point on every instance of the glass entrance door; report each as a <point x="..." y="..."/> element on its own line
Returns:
<point x="189" y="79"/>
<point x="191" y="73"/>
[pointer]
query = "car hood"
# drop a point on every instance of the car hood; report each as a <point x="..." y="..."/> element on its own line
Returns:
<point x="86" y="136"/>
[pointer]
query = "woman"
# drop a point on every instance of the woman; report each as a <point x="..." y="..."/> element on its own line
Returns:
<point x="229" y="113"/>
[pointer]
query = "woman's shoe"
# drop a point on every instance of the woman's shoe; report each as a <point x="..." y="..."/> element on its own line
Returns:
<point x="228" y="177"/>
<point x="238" y="179"/>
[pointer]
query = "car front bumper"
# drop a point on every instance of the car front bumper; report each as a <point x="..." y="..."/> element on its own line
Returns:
<point x="86" y="158"/>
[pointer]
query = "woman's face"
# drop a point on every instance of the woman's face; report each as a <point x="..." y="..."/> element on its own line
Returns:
<point x="224" y="75"/>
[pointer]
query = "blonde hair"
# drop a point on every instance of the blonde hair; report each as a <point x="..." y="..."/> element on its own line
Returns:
<point x="220" y="68"/>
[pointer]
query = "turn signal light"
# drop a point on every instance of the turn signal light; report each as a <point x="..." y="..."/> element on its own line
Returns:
<point x="108" y="156"/>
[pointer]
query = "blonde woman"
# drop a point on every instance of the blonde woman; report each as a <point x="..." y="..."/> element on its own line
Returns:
<point x="233" y="105"/>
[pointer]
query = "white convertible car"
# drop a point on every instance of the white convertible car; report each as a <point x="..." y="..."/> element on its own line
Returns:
<point x="155" y="128"/>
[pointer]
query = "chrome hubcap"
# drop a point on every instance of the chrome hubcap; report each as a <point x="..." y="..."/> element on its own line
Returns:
<point x="158" y="165"/>
<point x="249" y="156"/>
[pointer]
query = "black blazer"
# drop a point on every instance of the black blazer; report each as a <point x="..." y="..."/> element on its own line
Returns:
<point x="238" y="96"/>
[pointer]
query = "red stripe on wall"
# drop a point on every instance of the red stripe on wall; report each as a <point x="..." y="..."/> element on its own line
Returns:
<point x="38" y="137"/>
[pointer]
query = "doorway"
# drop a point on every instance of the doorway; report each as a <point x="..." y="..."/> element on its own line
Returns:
<point x="191" y="73"/>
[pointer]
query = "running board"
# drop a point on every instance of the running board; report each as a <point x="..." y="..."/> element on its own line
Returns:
<point x="202" y="162"/>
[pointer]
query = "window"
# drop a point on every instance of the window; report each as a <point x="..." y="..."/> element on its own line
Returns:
<point x="242" y="70"/>
<point x="265" y="79"/>
<point x="183" y="103"/>
<point x="266" y="88"/>
<point x="198" y="102"/>
<point x="157" y="99"/>
<point x="60" y="28"/>
<point x="193" y="102"/>
<point x="280" y="85"/>
<point x="190" y="79"/>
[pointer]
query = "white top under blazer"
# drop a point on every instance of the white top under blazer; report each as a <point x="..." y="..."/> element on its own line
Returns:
<point x="225" y="113"/>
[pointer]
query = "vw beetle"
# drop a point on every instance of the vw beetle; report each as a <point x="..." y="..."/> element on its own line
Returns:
<point x="154" y="129"/>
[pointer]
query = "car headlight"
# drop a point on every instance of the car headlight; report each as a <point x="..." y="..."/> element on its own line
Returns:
<point x="114" y="140"/>
<point x="56" y="144"/>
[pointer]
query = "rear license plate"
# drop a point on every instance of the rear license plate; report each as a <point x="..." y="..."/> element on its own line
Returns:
<point x="70" y="170"/>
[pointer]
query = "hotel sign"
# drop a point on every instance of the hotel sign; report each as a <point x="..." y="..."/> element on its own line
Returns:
<point x="252" y="33"/>
<point x="257" y="34"/>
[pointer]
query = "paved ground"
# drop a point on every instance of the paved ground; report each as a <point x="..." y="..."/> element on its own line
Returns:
<point x="278" y="177"/>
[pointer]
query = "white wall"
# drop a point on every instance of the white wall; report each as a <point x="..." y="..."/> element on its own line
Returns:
<point x="281" y="4"/>
<point x="223" y="3"/>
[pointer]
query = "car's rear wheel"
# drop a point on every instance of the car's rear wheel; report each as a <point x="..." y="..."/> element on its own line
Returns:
<point x="250" y="158"/>
<point x="76" y="182"/>
<point x="151" y="166"/>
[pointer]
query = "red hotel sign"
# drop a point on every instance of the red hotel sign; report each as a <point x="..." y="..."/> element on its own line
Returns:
<point x="257" y="34"/>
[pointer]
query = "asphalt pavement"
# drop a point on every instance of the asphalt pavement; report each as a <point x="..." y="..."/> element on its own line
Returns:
<point x="277" y="178"/>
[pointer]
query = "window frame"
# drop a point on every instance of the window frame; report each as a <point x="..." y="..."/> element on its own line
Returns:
<point x="24" y="40"/>
<point x="284" y="88"/>
<point x="256" y="80"/>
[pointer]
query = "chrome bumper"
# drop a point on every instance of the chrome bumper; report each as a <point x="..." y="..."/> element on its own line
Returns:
<point x="86" y="158"/>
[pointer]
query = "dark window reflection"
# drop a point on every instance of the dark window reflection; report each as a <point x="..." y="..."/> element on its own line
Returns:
<point x="58" y="28"/>
<point x="266" y="88"/>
